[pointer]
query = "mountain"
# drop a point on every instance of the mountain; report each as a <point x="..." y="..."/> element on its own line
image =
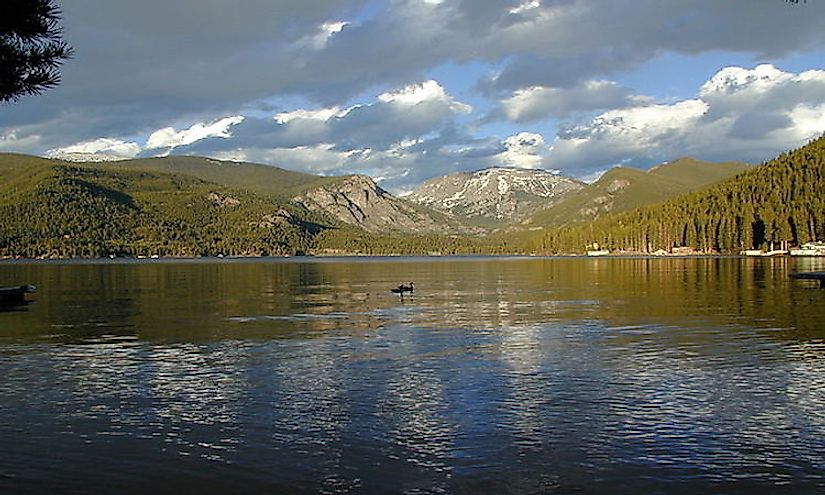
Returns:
<point x="626" y="188"/>
<point x="264" y="180"/>
<point x="494" y="196"/>
<point x="777" y="203"/>
<point x="353" y="199"/>
<point x="58" y="209"/>
<point x="190" y="206"/>
<point x="357" y="200"/>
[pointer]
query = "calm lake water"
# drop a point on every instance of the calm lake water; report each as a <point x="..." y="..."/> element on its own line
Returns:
<point x="499" y="376"/>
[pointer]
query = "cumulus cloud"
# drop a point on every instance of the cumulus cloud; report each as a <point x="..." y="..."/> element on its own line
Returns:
<point x="406" y="113"/>
<point x="539" y="102"/>
<point x="167" y="138"/>
<point x="102" y="146"/>
<point x="170" y="138"/>
<point x="219" y="61"/>
<point x="427" y="92"/>
<point x="740" y="113"/>
<point x="524" y="150"/>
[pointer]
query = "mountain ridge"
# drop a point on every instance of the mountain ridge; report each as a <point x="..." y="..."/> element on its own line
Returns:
<point x="625" y="188"/>
<point x="493" y="196"/>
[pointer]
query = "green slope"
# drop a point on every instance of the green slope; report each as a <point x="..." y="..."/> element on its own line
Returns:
<point x="56" y="209"/>
<point x="626" y="188"/>
<point x="259" y="179"/>
<point x="778" y="202"/>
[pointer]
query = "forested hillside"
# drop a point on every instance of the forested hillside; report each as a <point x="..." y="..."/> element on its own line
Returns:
<point x="264" y="180"/>
<point x="56" y="209"/>
<point x="626" y="188"/>
<point x="781" y="201"/>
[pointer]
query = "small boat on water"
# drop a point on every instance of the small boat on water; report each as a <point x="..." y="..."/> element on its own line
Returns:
<point x="810" y="249"/>
<point x="598" y="252"/>
<point x="15" y="295"/>
<point x="820" y="276"/>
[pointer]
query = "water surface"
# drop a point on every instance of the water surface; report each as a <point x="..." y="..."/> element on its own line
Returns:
<point x="497" y="376"/>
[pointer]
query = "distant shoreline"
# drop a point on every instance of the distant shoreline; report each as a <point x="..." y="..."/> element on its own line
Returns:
<point x="344" y="258"/>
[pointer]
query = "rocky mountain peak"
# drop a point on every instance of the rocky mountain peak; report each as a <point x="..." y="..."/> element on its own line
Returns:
<point x="496" y="194"/>
<point x="358" y="200"/>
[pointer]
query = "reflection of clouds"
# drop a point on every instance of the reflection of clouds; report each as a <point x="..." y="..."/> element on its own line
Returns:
<point x="311" y="409"/>
<point x="415" y="404"/>
<point x="184" y="394"/>
<point x="521" y="348"/>
<point x="104" y="381"/>
<point x="806" y="383"/>
<point x="311" y="402"/>
<point x="194" y="385"/>
<point x="709" y="405"/>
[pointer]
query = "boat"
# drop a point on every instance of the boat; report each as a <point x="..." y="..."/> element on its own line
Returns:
<point x="16" y="295"/>
<point x="598" y="252"/>
<point x="809" y="249"/>
<point x="764" y="254"/>
<point x="820" y="276"/>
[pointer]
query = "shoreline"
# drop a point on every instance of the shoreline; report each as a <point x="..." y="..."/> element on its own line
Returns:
<point x="357" y="258"/>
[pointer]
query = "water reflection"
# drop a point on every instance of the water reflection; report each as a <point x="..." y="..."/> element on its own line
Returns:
<point x="522" y="376"/>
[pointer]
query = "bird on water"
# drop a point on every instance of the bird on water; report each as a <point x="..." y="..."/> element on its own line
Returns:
<point x="401" y="289"/>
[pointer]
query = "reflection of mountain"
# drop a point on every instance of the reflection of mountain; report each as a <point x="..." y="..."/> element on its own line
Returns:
<point x="209" y="301"/>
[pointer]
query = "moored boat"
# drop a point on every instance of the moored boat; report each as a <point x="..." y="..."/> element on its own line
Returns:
<point x="16" y="295"/>
<point x="598" y="252"/>
<point x="809" y="249"/>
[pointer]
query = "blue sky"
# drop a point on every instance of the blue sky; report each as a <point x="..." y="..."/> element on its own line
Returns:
<point x="405" y="90"/>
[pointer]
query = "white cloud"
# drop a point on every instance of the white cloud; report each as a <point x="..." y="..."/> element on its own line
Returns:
<point x="319" y="114"/>
<point x="324" y="34"/>
<point x="402" y="115"/>
<point x="538" y="102"/>
<point x="12" y="141"/>
<point x="524" y="150"/>
<point x="809" y="121"/>
<point x="102" y="146"/>
<point x="425" y="92"/>
<point x="733" y="80"/>
<point x="526" y="7"/>
<point x="170" y="138"/>
<point x="740" y="114"/>
<point x="319" y="158"/>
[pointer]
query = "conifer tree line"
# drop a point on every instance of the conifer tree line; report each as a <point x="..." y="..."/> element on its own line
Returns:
<point x="779" y="203"/>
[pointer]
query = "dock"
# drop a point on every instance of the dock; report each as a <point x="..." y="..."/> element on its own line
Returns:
<point x="811" y="276"/>
<point x="16" y="295"/>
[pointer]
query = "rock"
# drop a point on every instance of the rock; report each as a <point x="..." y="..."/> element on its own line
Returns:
<point x="497" y="194"/>
<point x="358" y="200"/>
<point x="222" y="201"/>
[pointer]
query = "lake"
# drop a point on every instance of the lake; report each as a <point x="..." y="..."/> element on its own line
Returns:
<point x="558" y="375"/>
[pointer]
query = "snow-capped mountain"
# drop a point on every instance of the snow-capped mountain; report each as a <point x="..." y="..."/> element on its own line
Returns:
<point x="494" y="195"/>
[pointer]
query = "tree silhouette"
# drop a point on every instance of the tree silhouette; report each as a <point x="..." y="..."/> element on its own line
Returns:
<point x="31" y="48"/>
